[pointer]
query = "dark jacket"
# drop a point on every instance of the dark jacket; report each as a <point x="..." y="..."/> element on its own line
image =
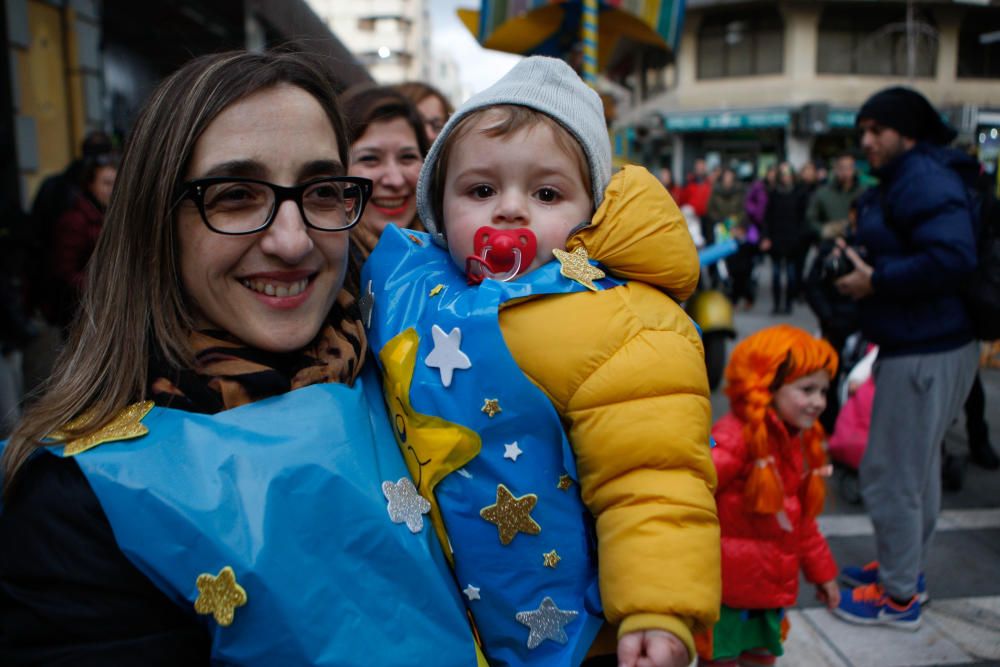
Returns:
<point x="828" y="209"/>
<point x="784" y="220"/>
<point x="838" y="315"/>
<point x="918" y="227"/>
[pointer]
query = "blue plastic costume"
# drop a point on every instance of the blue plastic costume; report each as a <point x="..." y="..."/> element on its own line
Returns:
<point x="287" y="492"/>
<point x="487" y="448"/>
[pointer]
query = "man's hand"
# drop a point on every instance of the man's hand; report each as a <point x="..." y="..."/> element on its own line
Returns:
<point x="858" y="283"/>
<point x="652" y="648"/>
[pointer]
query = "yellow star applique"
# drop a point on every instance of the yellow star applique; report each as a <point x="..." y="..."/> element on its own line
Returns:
<point x="491" y="406"/>
<point x="511" y="515"/>
<point x="126" y="425"/>
<point x="436" y="290"/>
<point x="565" y="481"/>
<point x="219" y="596"/>
<point x="551" y="559"/>
<point x="576" y="266"/>
<point x="432" y="447"/>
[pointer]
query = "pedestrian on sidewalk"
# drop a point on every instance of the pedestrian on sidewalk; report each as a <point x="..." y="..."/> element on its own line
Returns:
<point x="784" y="222"/>
<point x="917" y="228"/>
<point x="771" y="466"/>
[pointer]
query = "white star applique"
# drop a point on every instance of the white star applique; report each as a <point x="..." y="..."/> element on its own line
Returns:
<point x="446" y="355"/>
<point x="546" y="622"/>
<point x="405" y="504"/>
<point x="471" y="592"/>
<point x="512" y="451"/>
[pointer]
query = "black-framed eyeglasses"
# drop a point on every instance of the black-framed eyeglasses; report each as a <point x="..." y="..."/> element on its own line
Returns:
<point x="234" y="206"/>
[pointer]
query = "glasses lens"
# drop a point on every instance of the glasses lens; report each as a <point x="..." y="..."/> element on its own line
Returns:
<point x="332" y="204"/>
<point x="234" y="208"/>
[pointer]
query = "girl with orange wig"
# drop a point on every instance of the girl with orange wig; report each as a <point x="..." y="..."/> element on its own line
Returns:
<point x="771" y="465"/>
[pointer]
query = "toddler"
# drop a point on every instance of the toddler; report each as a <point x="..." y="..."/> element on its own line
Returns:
<point x="771" y="463"/>
<point x="554" y="412"/>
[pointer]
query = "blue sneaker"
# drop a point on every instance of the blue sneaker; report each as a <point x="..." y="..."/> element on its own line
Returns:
<point x="869" y="605"/>
<point x="854" y="576"/>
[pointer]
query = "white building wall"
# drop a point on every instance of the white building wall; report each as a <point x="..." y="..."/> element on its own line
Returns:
<point x="391" y="37"/>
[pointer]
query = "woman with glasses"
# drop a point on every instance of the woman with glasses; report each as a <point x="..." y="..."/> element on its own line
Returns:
<point x="210" y="475"/>
<point x="388" y="145"/>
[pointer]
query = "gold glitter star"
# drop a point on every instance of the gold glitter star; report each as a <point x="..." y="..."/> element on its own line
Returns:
<point x="511" y="515"/>
<point x="220" y="596"/>
<point x="415" y="239"/>
<point x="576" y="266"/>
<point x="565" y="481"/>
<point x="125" y="426"/>
<point x="551" y="559"/>
<point x="432" y="447"/>
<point x="436" y="290"/>
<point x="491" y="406"/>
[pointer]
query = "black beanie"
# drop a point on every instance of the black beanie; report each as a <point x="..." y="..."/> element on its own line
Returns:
<point x="909" y="113"/>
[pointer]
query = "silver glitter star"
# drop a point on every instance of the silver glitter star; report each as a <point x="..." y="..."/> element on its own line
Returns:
<point x="471" y="592"/>
<point x="546" y="622"/>
<point x="512" y="451"/>
<point x="367" y="304"/>
<point x="405" y="504"/>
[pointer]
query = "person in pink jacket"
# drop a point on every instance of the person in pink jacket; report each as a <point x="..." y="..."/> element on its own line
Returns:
<point x="771" y="466"/>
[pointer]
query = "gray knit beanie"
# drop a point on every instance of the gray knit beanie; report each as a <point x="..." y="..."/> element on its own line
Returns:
<point x="545" y="84"/>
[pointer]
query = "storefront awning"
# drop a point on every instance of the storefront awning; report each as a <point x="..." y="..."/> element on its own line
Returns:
<point x="733" y="119"/>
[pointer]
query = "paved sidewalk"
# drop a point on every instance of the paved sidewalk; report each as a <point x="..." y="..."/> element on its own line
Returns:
<point x="961" y="625"/>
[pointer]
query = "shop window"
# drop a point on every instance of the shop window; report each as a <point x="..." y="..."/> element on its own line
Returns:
<point x="979" y="45"/>
<point x="874" y="40"/>
<point x="741" y="43"/>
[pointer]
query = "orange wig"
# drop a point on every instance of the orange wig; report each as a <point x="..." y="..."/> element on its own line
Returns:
<point x="758" y="366"/>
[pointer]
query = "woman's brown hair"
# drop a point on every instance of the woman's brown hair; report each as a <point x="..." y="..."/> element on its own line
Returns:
<point x="365" y="104"/>
<point x="133" y="306"/>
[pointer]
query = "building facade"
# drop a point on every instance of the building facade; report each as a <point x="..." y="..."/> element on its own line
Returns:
<point x="758" y="82"/>
<point x="71" y="66"/>
<point x="390" y="37"/>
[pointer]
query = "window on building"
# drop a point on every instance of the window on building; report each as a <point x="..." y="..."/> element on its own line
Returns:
<point x="979" y="45"/>
<point x="741" y="43"/>
<point x="870" y="39"/>
<point x="366" y="24"/>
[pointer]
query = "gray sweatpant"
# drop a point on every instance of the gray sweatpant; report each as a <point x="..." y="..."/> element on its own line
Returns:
<point x="916" y="399"/>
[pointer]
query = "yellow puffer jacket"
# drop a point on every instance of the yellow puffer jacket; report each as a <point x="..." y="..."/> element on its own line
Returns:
<point x="625" y="369"/>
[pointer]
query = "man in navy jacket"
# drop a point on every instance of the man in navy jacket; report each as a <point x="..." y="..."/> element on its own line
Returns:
<point x="915" y="246"/>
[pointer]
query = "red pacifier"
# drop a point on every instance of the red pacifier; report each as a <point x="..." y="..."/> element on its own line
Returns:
<point x="500" y="254"/>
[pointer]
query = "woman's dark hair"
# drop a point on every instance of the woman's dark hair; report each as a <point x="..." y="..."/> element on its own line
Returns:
<point x="92" y="163"/>
<point x="366" y="104"/>
<point x="133" y="306"/>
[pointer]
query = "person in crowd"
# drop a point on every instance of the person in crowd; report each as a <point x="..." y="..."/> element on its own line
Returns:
<point x="918" y="229"/>
<point x="756" y="199"/>
<point x="388" y="145"/>
<point x="807" y="182"/>
<point x="771" y="462"/>
<point x="666" y="176"/>
<point x="697" y="189"/>
<point x="75" y="237"/>
<point x="827" y="214"/>
<point x="726" y="208"/>
<point x="839" y="315"/>
<point x="584" y="396"/>
<point x="781" y="237"/>
<point x="165" y="513"/>
<point x="432" y="105"/>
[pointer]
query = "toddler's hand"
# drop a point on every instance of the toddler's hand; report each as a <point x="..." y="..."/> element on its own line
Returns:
<point x="828" y="593"/>
<point x="652" y="648"/>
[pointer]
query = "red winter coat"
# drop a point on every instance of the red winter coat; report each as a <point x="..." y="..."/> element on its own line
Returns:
<point x="73" y="241"/>
<point x="760" y="559"/>
<point x="695" y="194"/>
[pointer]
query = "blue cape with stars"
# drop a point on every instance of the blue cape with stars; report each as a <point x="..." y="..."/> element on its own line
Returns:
<point x="288" y="493"/>
<point x="487" y="448"/>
